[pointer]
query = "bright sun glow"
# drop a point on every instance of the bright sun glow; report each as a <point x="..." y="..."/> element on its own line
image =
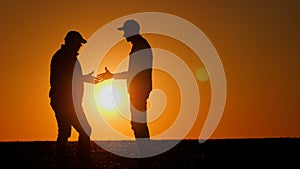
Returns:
<point x="111" y="96"/>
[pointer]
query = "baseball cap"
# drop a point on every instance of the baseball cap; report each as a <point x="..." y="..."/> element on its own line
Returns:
<point x="75" y="36"/>
<point x="130" y="25"/>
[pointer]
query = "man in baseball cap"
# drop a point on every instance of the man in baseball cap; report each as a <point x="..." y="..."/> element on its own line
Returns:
<point x="66" y="93"/>
<point x="130" y="28"/>
<point x="139" y="83"/>
<point x="75" y="36"/>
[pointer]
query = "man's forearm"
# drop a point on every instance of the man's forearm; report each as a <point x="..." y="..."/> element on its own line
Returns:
<point x="121" y="75"/>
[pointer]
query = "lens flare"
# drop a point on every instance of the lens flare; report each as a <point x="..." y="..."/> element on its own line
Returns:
<point x="202" y="74"/>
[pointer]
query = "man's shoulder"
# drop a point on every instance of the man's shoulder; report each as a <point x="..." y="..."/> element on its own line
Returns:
<point x="57" y="53"/>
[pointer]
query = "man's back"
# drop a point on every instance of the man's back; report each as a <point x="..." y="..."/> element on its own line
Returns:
<point x="140" y="66"/>
<point x="61" y="73"/>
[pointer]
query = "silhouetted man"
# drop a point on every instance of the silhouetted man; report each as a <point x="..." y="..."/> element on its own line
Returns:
<point x="139" y="83"/>
<point x="66" y="92"/>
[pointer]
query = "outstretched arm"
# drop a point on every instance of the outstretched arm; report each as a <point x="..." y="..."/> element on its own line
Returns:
<point x="108" y="75"/>
<point x="89" y="78"/>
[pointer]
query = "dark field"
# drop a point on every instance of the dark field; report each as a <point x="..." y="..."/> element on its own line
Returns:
<point x="219" y="153"/>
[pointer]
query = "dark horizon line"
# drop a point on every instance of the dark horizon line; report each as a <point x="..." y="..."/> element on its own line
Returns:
<point x="110" y="140"/>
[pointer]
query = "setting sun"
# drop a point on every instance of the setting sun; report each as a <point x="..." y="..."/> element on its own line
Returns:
<point x="111" y="96"/>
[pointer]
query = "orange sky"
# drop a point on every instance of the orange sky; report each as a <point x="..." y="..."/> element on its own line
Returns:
<point x="258" y="44"/>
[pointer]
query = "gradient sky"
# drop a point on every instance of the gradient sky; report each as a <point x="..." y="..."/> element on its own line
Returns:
<point x="257" y="41"/>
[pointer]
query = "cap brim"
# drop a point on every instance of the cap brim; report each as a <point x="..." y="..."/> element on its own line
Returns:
<point x="120" y="28"/>
<point x="83" y="41"/>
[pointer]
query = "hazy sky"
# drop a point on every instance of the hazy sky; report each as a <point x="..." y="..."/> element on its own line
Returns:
<point x="257" y="41"/>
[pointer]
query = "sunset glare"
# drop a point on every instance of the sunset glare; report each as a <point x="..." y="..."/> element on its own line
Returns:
<point x="110" y="97"/>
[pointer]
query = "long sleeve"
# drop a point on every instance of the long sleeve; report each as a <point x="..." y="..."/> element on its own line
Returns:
<point x="121" y="75"/>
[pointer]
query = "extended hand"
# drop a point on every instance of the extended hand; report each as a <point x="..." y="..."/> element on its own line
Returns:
<point x="104" y="76"/>
<point x="89" y="78"/>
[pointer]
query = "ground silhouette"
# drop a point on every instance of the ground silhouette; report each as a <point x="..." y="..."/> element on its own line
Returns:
<point x="188" y="154"/>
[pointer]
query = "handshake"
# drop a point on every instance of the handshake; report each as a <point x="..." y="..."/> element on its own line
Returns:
<point x="99" y="78"/>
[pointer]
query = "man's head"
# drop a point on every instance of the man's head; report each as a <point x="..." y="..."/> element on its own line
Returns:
<point x="74" y="40"/>
<point x="130" y="27"/>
